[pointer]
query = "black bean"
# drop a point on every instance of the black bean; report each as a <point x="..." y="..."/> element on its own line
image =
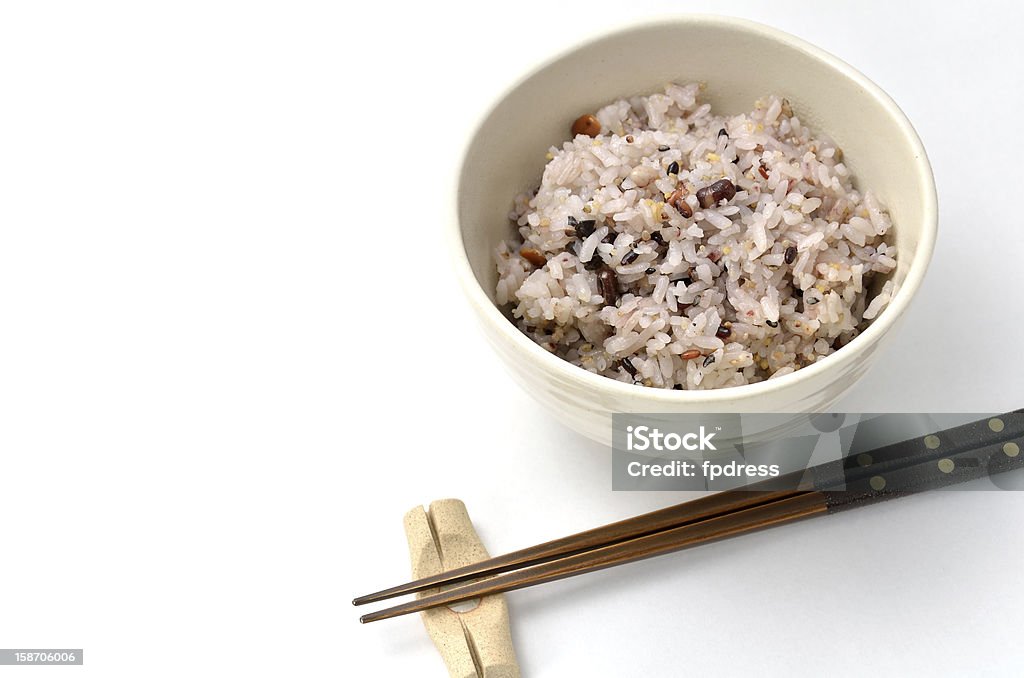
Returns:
<point x="710" y="359"/>
<point x="609" y="285"/>
<point x="629" y="257"/>
<point x="723" y="332"/>
<point x="662" y="148"/>
<point x="658" y="237"/>
<point x="627" y="365"/>
<point x="723" y="133"/>
<point x="585" y="228"/>
<point x="772" y="323"/>
<point x="594" y="263"/>
<point x="712" y="194"/>
<point x="685" y="279"/>
<point x="673" y="168"/>
<point x="610" y="238"/>
<point x="790" y="255"/>
<point x="650" y="271"/>
<point x="570" y="221"/>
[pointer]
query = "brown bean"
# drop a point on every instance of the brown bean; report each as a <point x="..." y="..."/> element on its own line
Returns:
<point x="691" y="354"/>
<point x="586" y="124"/>
<point x="712" y="194"/>
<point x="762" y="170"/>
<point x="609" y="283"/>
<point x="533" y="256"/>
<point x="723" y="332"/>
<point x="678" y="200"/>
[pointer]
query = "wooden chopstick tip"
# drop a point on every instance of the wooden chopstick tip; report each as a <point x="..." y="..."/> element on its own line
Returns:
<point x="378" y="596"/>
<point x="368" y="598"/>
<point x="373" y="616"/>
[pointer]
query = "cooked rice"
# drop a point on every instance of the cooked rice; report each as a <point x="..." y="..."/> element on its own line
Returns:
<point x="726" y="266"/>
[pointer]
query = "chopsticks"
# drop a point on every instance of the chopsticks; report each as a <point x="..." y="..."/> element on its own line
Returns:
<point x="666" y="541"/>
<point x="959" y="454"/>
<point x="674" y="516"/>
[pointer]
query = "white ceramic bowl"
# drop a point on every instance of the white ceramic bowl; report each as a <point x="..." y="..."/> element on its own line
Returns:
<point x="740" y="61"/>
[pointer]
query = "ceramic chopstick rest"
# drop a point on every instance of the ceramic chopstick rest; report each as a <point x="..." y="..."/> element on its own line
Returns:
<point x="477" y="642"/>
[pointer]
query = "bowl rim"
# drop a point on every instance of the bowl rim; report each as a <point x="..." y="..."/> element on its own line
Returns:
<point x="487" y="311"/>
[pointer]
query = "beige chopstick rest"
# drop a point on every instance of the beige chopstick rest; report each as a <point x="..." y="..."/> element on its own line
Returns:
<point x="476" y="643"/>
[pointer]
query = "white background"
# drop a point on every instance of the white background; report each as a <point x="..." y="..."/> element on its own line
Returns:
<point x="212" y="418"/>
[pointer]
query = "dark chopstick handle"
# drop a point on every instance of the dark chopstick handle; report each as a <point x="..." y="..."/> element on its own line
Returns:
<point x="978" y="450"/>
<point x="882" y="460"/>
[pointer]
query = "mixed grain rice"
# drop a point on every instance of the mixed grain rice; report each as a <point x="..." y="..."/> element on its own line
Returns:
<point x="619" y="269"/>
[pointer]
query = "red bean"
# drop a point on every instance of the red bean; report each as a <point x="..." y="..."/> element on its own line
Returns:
<point x="712" y="194"/>
<point x="609" y="285"/>
<point x="678" y="201"/>
<point x="533" y="256"/>
<point x="586" y="124"/>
